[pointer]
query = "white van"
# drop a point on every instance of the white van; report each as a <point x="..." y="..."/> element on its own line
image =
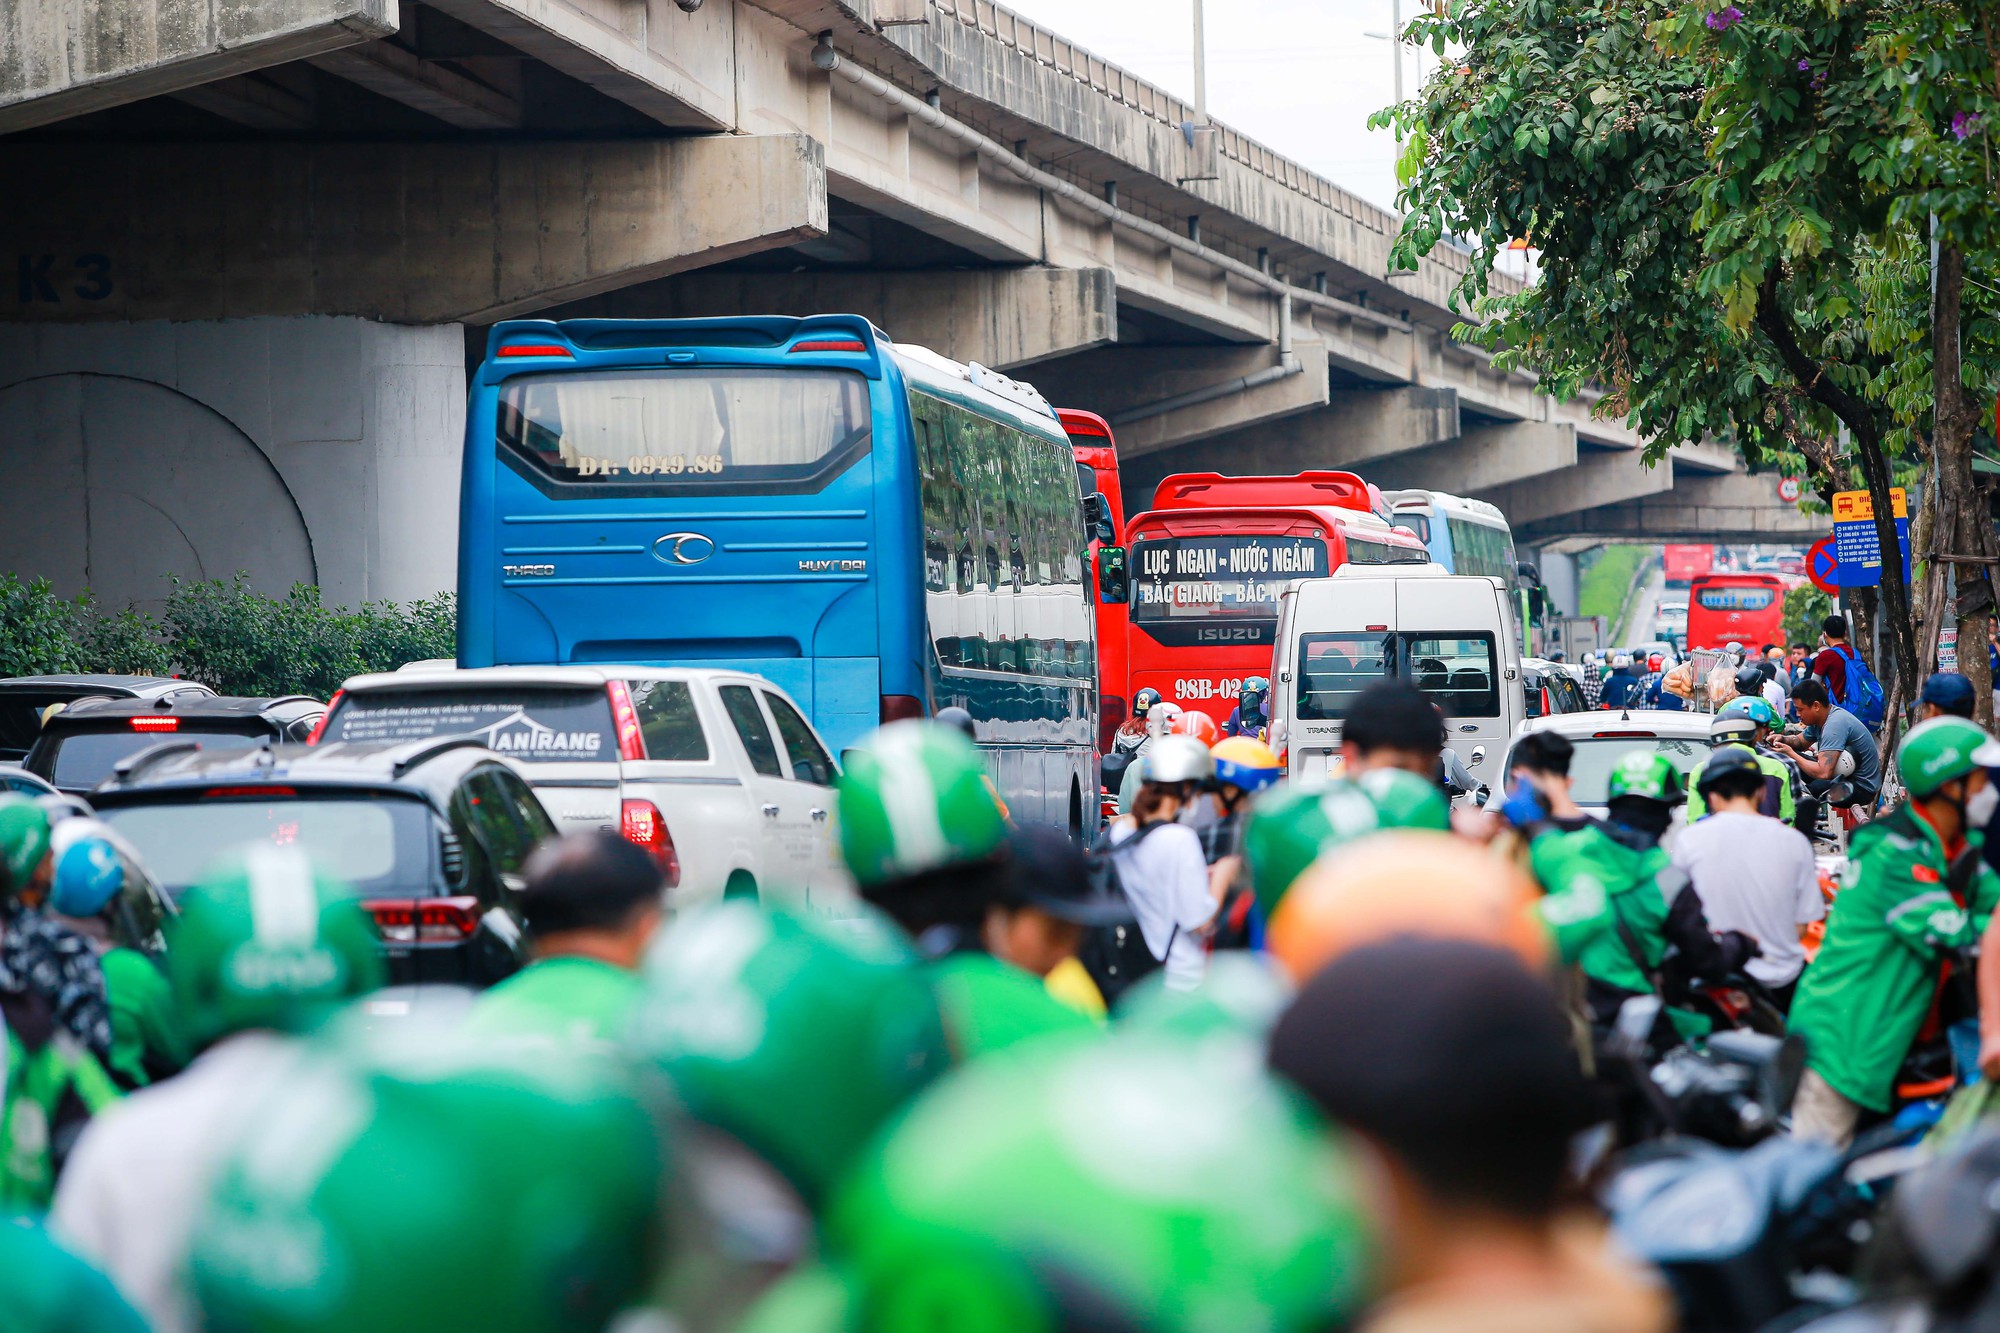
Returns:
<point x="1453" y="635"/>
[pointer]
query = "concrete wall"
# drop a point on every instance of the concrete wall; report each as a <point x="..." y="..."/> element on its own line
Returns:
<point x="297" y="449"/>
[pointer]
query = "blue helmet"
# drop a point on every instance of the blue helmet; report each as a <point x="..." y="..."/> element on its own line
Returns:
<point x="88" y="875"/>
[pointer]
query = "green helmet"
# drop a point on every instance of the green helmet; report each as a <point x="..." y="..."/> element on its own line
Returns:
<point x="1758" y="710"/>
<point x="1645" y="774"/>
<point x="264" y="942"/>
<point x="357" y="1194"/>
<point x="1292" y="825"/>
<point x="1144" y="1181"/>
<point x="915" y="798"/>
<point x="796" y="1036"/>
<point x="1944" y="748"/>
<point x="1240" y="993"/>
<point x="24" y="841"/>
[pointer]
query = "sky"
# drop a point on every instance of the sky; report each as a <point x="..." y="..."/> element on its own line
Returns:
<point x="1301" y="76"/>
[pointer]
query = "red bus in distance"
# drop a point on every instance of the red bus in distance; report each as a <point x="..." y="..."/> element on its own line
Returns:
<point x="1685" y="564"/>
<point x="1736" y="608"/>
<point x="1207" y="566"/>
<point x="1097" y="466"/>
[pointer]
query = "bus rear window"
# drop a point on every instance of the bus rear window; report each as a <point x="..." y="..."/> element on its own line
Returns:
<point x="1734" y="598"/>
<point x="1361" y="551"/>
<point x="660" y="431"/>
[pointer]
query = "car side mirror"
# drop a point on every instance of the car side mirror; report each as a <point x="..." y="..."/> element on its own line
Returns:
<point x="1097" y="518"/>
<point x="1114" y="584"/>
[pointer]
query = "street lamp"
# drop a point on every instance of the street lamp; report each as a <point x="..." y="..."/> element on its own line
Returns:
<point x="1395" y="39"/>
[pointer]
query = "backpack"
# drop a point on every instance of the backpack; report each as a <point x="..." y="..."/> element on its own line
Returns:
<point x="1863" y="693"/>
<point x="1116" y="956"/>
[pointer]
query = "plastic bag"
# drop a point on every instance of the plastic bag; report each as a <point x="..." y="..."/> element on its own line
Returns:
<point x="1679" y="680"/>
<point x="1721" y="685"/>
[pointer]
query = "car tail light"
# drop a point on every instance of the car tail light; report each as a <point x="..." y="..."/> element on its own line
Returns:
<point x="900" y="708"/>
<point x="1624" y="735"/>
<point x="1375" y="629"/>
<point x="425" y="920"/>
<point x="534" y="349"/>
<point x="829" y="345"/>
<point x="319" y="727"/>
<point x="1545" y="701"/>
<point x="156" y="724"/>
<point x="631" y="745"/>
<point x="642" y="826"/>
<point x="238" y="793"/>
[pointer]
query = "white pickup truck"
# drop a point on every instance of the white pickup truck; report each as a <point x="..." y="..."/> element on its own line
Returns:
<point x="717" y="773"/>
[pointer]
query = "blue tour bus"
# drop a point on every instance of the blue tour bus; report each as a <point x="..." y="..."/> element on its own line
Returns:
<point x="880" y="530"/>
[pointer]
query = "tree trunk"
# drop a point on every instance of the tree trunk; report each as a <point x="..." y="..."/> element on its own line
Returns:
<point x="1961" y="530"/>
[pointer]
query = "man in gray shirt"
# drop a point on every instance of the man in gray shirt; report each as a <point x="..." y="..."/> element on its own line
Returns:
<point x="1847" y="768"/>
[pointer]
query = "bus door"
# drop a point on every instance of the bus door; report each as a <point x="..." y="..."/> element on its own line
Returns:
<point x="698" y="516"/>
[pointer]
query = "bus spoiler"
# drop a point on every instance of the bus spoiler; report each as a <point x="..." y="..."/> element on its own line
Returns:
<point x="615" y="341"/>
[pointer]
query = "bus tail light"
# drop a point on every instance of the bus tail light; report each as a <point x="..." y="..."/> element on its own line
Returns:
<point x="425" y="920"/>
<point x="631" y="745"/>
<point x="1110" y="717"/>
<point x="641" y="825"/>
<point x="829" y="345"/>
<point x="901" y="708"/>
<point x="534" y="349"/>
<point x="319" y="727"/>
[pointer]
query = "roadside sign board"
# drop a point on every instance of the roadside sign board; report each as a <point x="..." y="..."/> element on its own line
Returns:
<point x="1855" y="546"/>
<point x="1948" y="648"/>
<point x="1821" y="566"/>
<point x="1790" y="489"/>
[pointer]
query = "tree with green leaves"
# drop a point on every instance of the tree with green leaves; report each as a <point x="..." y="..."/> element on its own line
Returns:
<point x="1733" y="215"/>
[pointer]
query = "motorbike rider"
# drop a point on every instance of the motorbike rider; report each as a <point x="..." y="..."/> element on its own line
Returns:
<point x="1160" y="721"/>
<point x="591" y="902"/>
<point x="1251" y="716"/>
<point x="1130" y="738"/>
<point x="263" y="946"/>
<point x="1736" y="727"/>
<point x="833" y="1029"/>
<point x="1040" y="923"/>
<point x="1291" y="827"/>
<point x="1244" y="766"/>
<point x="926" y="842"/>
<point x="1454" y="1059"/>
<point x="1538" y="798"/>
<point x="1946" y="694"/>
<point x="1617" y="903"/>
<point x="1914" y="890"/>
<point x="84" y="896"/>
<point x="1753" y="873"/>
<point x="1846" y="767"/>
<point x="1621" y="687"/>
<point x="41" y="961"/>
<point x="1160" y="862"/>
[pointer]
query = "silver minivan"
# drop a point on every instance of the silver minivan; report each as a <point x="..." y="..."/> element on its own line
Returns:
<point x="1451" y="635"/>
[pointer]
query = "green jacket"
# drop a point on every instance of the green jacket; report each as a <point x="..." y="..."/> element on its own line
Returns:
<point x="145" y="1035"/>
<point x="989" y="1005"/>
<point x="1594" y="882"/>
<point x="46" y="1289"/>
<point x="1773" y="767"/>
<point x="1861" y="1003"/>
<point x="50" y="1086"/>
<point x="565" y="1001"/>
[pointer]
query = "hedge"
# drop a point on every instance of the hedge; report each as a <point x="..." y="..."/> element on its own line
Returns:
<point x="224" y="635"/>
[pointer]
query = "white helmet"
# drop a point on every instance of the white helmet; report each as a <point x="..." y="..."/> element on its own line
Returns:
<point x="1160" y="717"/>
<point x="1621" y="660"/>
<point x="1178" y="759"/>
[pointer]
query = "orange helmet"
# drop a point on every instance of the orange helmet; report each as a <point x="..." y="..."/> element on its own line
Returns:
<point x="1197" y="724"/>
<point x="1405" y="883"/>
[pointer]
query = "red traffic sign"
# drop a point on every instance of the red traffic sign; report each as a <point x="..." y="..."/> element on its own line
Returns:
<point x="1822" y="568"/>
<point x="1791" y="488"/>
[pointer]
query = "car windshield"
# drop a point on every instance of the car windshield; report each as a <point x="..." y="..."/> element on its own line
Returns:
<point x="1590" y="768"/>
<point x="85" y="758"/>
<point x="379" y="846"/>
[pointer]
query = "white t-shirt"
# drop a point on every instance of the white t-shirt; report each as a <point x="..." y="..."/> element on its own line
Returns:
<point x="1755" y="874"/>
<point x="140" y="1174"/>
<point x="1166" y="878"/>
<point x="1774" y="695"/>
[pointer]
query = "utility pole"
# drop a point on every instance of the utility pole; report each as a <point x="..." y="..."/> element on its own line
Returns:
<point x="1200" y="69"/>
<point x="1395" y="41"/>
<point x="1200" y="135"/>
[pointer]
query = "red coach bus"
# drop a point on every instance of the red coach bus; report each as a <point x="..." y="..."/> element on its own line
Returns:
<point x="1097" y="469"/>
<point x="1742" y="608"/>
<point x="1685" y="564"/>
<point x="1209" y="560"/>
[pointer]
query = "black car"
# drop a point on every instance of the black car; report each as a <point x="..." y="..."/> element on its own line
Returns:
<point x="24" y="698"/>
<point x="431" y="835"/>
<point x="82" y="745"/>
<point x="1550" y="690"/>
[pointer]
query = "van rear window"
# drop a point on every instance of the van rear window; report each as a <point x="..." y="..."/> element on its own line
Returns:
<point x="536" y="726"/>
<point x="1459" y="673"/>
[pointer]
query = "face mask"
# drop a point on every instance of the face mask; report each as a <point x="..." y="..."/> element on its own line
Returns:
<point x="1979" y="810"/>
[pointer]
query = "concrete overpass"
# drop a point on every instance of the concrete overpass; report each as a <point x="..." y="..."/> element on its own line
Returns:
<point x="254" y="243"/>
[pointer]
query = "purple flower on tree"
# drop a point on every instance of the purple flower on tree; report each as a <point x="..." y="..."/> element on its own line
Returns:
<point x="1963" y="125"/>
<point x="1805" y="67"/>
<point x="1720" y="19"/>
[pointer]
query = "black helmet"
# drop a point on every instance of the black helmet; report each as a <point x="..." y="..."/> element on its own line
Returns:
<point x="1749" y="680"/>
<point x="1722" y="762"/>
<point x="1143" y="701"/>
<point x="958" y="717"/>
